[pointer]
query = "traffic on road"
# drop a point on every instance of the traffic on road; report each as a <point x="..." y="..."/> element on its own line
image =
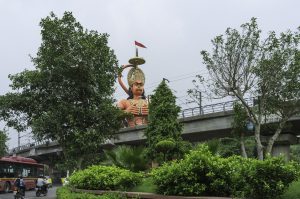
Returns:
<point x="31" y="194"/>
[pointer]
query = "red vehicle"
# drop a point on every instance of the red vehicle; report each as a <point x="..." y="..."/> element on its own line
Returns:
<point x="13" y="166"/>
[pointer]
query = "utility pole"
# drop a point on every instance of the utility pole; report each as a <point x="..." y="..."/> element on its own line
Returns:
<point x="196" y="97"/>
<point x="19" y="138"/>
<point x="200" y="102"/>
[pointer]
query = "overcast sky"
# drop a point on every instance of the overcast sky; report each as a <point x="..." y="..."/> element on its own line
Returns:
<point x="174" y="31"/>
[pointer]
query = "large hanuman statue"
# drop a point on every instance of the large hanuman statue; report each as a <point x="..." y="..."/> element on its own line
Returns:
<point x="136" y="103"/>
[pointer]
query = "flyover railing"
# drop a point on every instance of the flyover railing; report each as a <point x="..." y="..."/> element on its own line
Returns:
<point x="212" y="108"/>
<point x="28" y="146"/>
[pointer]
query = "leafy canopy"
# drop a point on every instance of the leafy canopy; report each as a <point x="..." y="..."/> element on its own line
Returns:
<point x="242" y="64"/>
<point x="68" y="97"/>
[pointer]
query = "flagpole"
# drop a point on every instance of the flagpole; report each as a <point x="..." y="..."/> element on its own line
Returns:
<point x="137" y="60"/>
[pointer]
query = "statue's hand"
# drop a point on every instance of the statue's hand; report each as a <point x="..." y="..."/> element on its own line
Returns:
<point x="134" y="110"/>
<point x="120" y="69"/>
<point x="145" y="110"/>
<point x="137" y="111"/>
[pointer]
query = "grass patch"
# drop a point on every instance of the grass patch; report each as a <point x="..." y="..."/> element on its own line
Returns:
<point x="65" y="193"/>
<point x="145" y="186"/>
<point x="293" y="191"/>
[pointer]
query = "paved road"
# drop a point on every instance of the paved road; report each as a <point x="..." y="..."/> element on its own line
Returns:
<point x="31" y="195"/>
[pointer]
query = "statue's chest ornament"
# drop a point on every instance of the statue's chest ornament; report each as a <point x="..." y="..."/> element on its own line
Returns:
<point x="138" y="104"/>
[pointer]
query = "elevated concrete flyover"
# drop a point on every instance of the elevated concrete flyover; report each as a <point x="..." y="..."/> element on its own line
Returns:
<point x="38" y="150"/>
<point x="196" y="128"/>
<point x="200" y="124"/>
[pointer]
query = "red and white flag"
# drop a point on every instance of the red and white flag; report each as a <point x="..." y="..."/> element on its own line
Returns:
<point x="139" y="44"/>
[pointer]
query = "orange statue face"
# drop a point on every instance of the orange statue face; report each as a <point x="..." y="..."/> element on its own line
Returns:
<point x="137" y="88"/>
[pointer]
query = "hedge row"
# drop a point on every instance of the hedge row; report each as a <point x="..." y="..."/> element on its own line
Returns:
<point x="200" y="174"/>
<point x="203" y="174"/>
<point x="105" y="178"/>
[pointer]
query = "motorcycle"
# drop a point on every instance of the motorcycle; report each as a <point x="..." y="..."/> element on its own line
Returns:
<point x="40" y="190"/>
<point x="19" y="193"/>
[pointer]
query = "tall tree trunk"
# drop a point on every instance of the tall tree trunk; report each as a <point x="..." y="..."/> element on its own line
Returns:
<point x="259" y="146"/>
<point x="243" y="148"/>
<point x="275" y="136"/>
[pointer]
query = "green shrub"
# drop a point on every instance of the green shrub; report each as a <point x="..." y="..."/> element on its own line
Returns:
<point x="270" y="178"/>
<point x="201" y="173"/>
<point x="105" y="178"/>
<point x="293" y="192"/>
<point x="171" y="180"/>
<point x="165" y="145"/>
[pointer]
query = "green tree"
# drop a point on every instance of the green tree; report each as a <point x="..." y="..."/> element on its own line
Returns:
<point x="241" y="65"/>
<point x="278" y="79"/>
<point x="163" y="124"/>
<point x="68" y="97"/>
<point x="3" y="140"/>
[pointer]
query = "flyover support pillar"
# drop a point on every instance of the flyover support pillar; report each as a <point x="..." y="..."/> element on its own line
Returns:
<point x="282" y="145"/>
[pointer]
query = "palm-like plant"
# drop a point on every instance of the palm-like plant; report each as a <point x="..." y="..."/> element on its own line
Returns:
<point x="131" y="158"/>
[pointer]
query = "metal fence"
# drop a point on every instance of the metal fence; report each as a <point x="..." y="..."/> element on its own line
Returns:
<point x="211" y="108"/>
<point x="28" y="146"/>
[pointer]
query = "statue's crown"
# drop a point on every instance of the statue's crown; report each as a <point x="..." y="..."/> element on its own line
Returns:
<point x="134" y="75"/>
